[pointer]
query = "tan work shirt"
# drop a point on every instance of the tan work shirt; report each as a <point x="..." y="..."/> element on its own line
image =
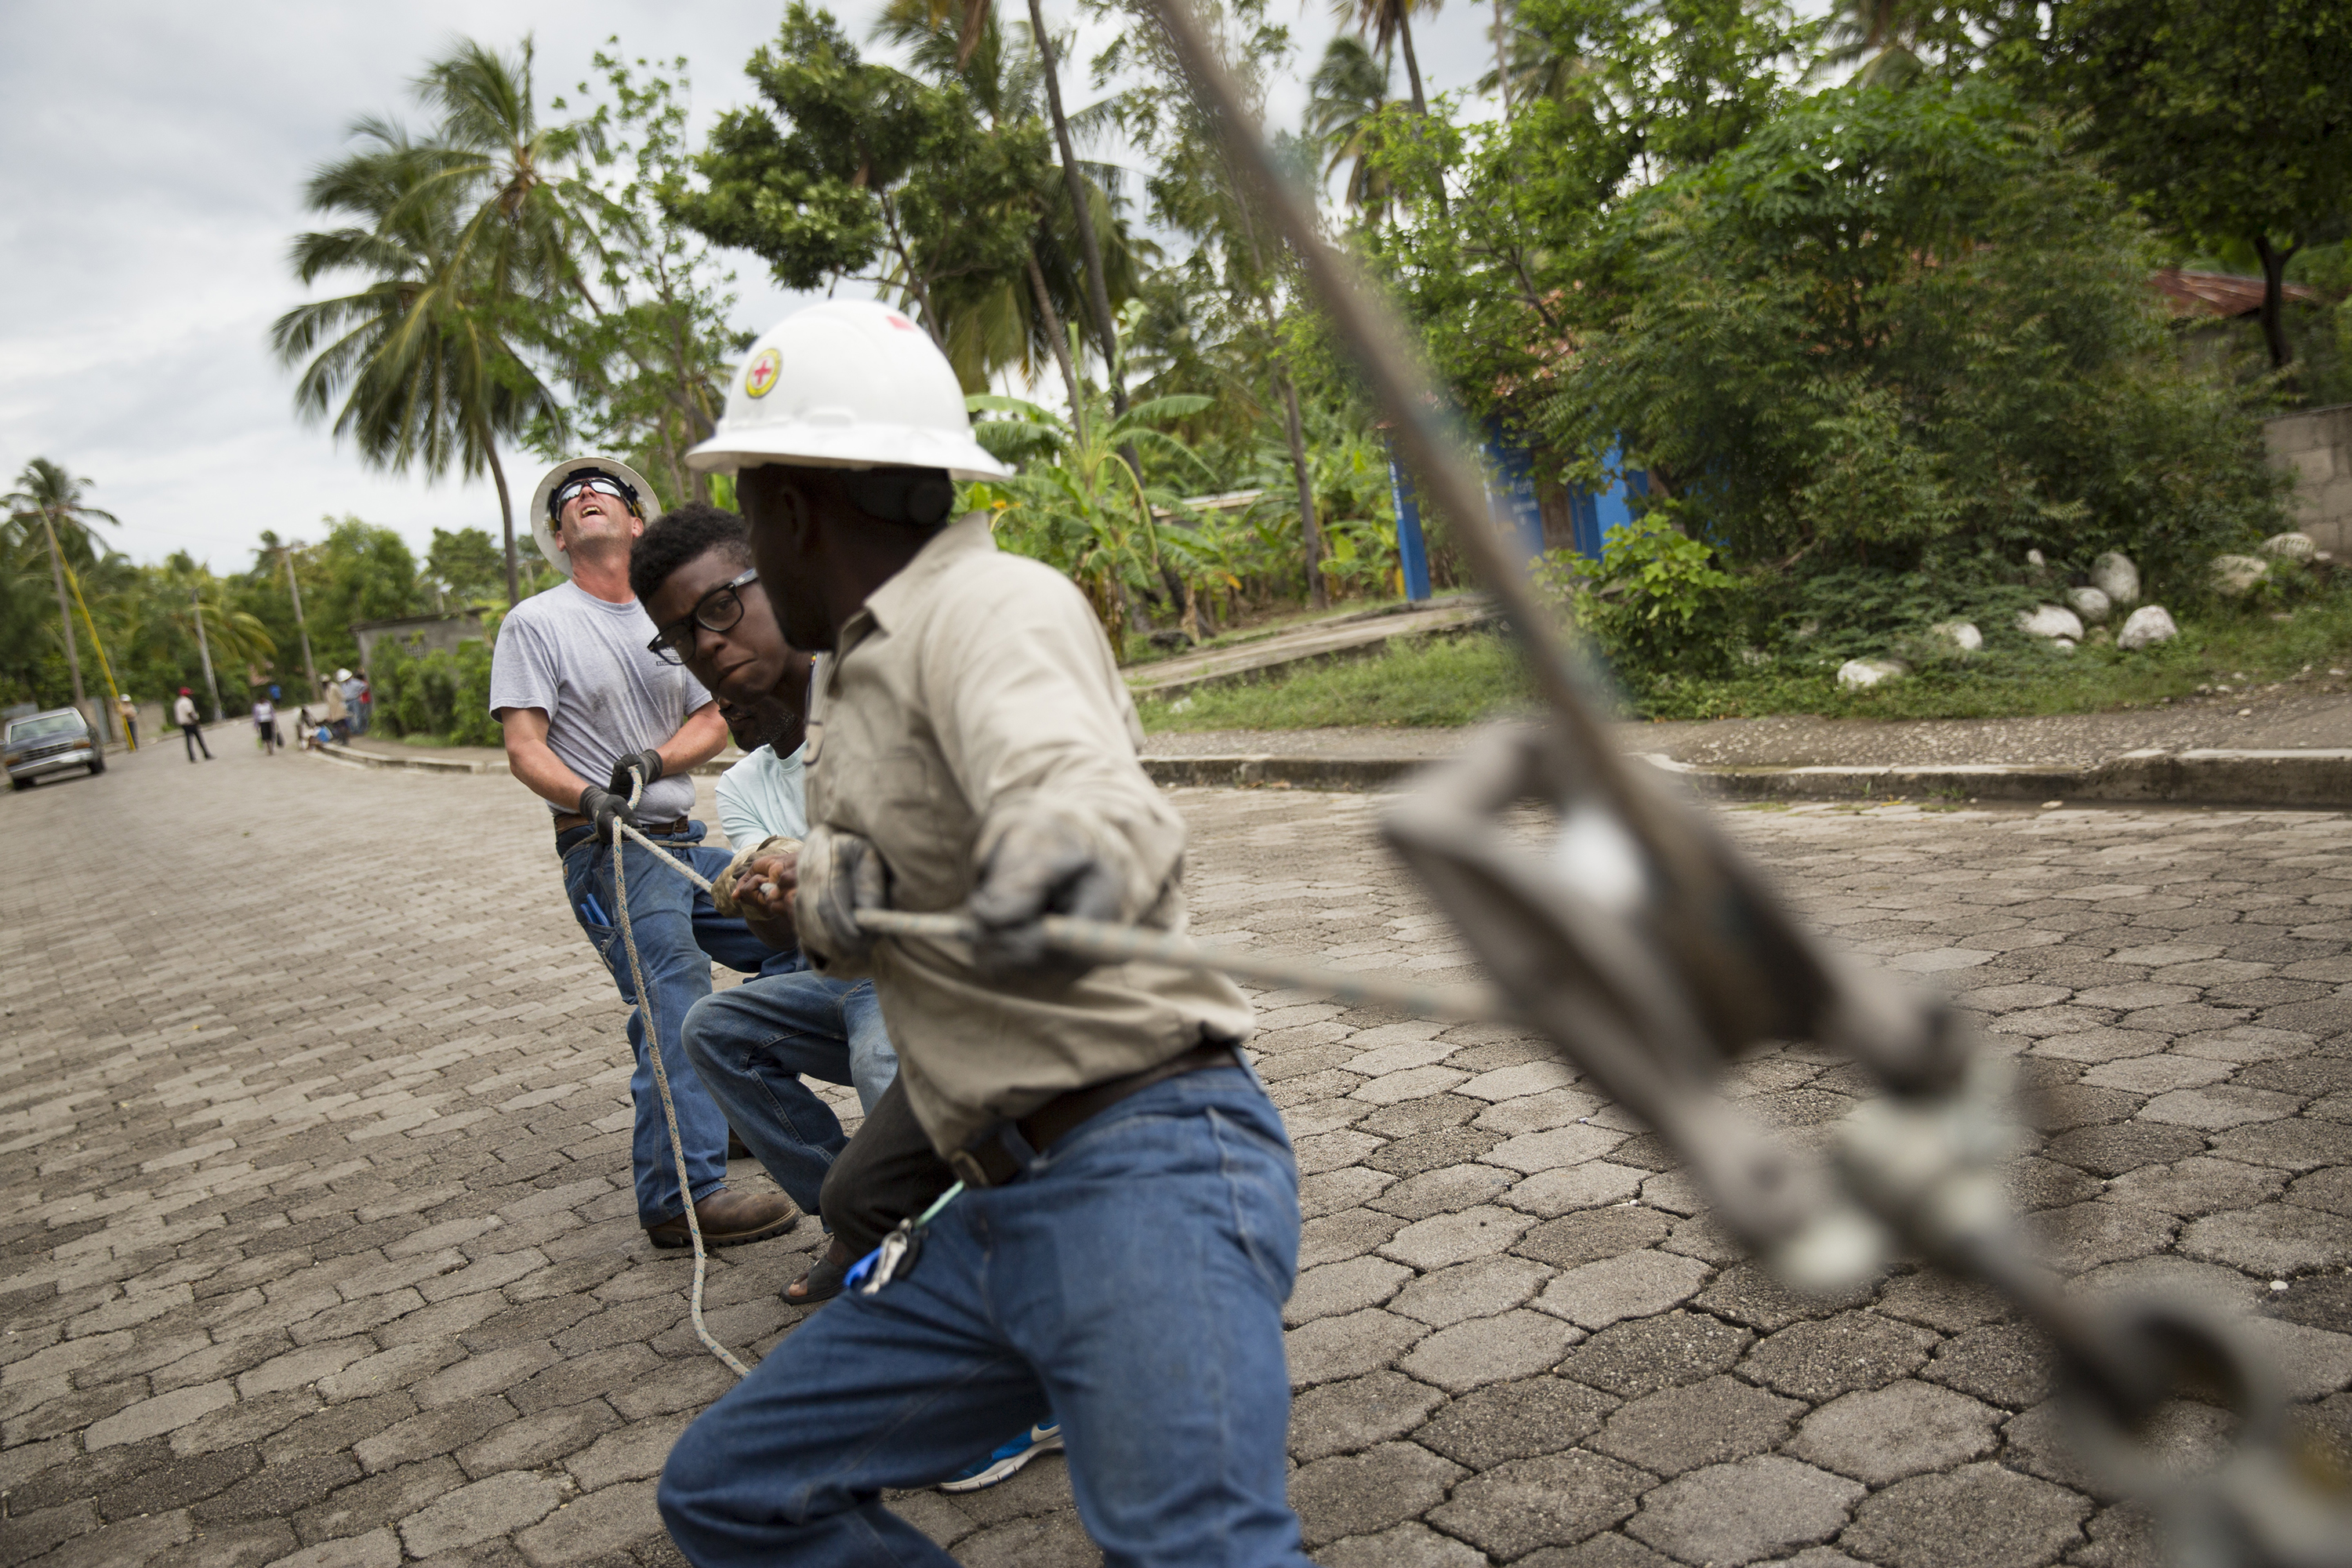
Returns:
<point x="974" y="688"/>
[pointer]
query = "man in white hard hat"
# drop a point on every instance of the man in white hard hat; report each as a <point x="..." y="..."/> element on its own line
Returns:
<point x="590" y="715"/>
<point x="1128" y="1227"/>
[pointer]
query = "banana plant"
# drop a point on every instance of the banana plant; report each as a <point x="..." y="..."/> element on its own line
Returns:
<point x="1074" y="503"/>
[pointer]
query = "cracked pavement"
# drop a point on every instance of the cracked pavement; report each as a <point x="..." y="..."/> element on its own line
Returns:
<point x="313" y="1114"/>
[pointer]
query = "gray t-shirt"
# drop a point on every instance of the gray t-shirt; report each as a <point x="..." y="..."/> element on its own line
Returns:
<point x="584" y="662"/>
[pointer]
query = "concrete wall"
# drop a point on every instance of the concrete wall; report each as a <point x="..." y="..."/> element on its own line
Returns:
<point x="422" y="634"/>
<point x="2316" y="446"/>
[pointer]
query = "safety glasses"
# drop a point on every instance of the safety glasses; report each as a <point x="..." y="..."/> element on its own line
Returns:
<point x="717" y="611"/>
<point x="603" y="484"/>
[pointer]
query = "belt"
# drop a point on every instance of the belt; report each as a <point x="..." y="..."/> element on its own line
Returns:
<point x="986" y="1162"/>
<point x="566" y="821"/>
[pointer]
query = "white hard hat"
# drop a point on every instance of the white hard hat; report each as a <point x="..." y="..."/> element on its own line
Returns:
<point x="649" y="506"/>
<point x="342" y="675"/>
<point x="849" y="384"/>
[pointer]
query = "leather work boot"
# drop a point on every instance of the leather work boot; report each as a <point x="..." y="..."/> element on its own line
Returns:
<point x="730" y="1219"/>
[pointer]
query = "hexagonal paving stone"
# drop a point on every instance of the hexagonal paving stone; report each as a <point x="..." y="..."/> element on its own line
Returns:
<point x="2272" y="1239"/>
<point x="1515" y="1421"/>
<point x="1903" y="1429"/>
<point x="1555" y="1500"/>
<point x="1736" y="1513"/>
<point x="1679" y="1430"/>
<point x="1646" y="1355"/>
<point x="1825" y="1357"/>
<point x="1980" y="1516"/>
<point x="1633" y="1286"/>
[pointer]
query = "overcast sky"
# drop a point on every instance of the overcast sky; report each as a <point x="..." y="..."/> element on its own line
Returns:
<point x="152" y="160"/>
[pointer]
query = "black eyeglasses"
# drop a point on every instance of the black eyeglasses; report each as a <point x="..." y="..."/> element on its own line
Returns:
<point x="717" y="611"/>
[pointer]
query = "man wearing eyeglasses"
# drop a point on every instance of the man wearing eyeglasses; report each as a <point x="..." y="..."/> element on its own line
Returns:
<point x="583" y="699"/>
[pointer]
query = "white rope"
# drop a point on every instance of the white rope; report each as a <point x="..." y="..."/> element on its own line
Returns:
<point x="1096" y="940"/>
<point x="1108" y="944"/>
<point x="661" y="1077"/>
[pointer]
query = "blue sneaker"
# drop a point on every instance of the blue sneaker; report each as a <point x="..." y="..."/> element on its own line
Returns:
<point x="1007" y="1460"/>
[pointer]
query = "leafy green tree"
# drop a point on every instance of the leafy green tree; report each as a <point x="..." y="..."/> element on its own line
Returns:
<point x="2223" y="121"/>
<point x="51" y="501"/>
<point x="1237" y="282"/>
<point x="1890" y="328"/>
<point x="458" y="234"/>
<point x="1017" y="320"/>
<point x="646" y="350"/>
<point x="855" y="170"/>
<point x="463" y="564"/>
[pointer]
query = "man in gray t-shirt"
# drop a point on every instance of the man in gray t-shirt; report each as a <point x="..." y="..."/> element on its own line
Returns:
<point x="589" y="712"/>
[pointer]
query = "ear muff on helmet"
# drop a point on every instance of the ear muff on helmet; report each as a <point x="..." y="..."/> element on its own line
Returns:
<point x="923" y="497"/>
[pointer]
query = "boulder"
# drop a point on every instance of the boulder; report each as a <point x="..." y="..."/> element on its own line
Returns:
<point x="2289" y="547"/>
<point x="2091" y="604"/>
<point x="2114" y="575"/>
<point x="2034" y="558"/>
<point x="2147" y="625"/>
<point x="2050" y="621"/>
<point x="1960" y="637"/>
<point x="2233" y="575"/>
<point x="2063" y="645"/>
<point x="1857" y="674"/>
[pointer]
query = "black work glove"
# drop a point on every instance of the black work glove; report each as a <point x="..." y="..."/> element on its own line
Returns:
<point x="646" y="764"/>
<point x="603" y="807"/>
<point x="1038" y="868"/>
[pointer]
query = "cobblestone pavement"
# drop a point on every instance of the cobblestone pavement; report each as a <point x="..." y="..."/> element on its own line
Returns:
<point x="313" y="1112"/>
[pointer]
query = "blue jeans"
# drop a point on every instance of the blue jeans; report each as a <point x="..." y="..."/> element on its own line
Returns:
<point x="678" y="933"/>
<point x="1131" y="1282"/>
<point x="751" y="1046"/>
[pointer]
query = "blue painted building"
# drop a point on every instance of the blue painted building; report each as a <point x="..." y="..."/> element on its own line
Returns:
<point x="1578" y="519"/>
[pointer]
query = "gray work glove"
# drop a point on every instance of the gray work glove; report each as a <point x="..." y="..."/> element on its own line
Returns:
<point x="645" y="766"/>
<point x="1038" y="867"/>
<point x="839" y="874"/>
<point x="603" y="808"/>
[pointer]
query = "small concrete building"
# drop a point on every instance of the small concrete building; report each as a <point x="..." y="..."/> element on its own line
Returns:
<point x="422" y="634"/>
<point x="2315" y="445"/>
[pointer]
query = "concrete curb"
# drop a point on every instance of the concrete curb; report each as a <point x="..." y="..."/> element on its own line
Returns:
<point x="2198" y="777"/>
<point x="357" y="758"/>
<point x="2203" y="776"/>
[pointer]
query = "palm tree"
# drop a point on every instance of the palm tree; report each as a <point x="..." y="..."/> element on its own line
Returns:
<point x="1389" y="23"/>
<point x="1883" y="35"/>
<point x="418" y="367"/>
<point x="972" y="16"/>
<point x="1017" y="318"/>
<point x="1535" y="69"/>
<point x="55" y="498"/>
<point x="1344" y="98"/>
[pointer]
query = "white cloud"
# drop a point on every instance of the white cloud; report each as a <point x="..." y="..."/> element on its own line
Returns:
<point x="151" y="163"/>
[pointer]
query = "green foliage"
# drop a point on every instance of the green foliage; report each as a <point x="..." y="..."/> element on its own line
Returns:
<point x="437" y="696"/>
<point x="1887" y="327"/>
<point x="465" y="563"/>
<point x="1658" y="598"/>
<point x="1076" y="504"/>
<point x="1419" y="681"/>
<point x="858" y="169"/>
<point x="2223" y="121"/>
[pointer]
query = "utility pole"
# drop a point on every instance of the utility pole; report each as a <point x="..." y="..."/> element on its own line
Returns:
<point x="309" y="668"/>
<point x="64" y="621"/>
<point x="204" y="649"/>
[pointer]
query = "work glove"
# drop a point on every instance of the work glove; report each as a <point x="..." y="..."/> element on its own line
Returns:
<point x="740" y="890"/>
<point x="839" y="874"/>
<point x="603" y="807"/>
<point x="1038" y="867"/>
<point x="645" y="766"/>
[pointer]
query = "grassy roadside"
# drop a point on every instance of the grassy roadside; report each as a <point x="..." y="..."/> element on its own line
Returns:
<point x="1453" y="680"/>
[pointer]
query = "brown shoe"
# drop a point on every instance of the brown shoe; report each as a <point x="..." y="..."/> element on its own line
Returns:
<point x="730" y="1219"/>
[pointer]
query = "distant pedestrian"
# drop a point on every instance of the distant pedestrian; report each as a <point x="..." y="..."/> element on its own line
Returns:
<point x="339" y="712"/>
<point x="352" y="711"/>
<point x="366" y="709"/>
<point x="265" y="723"/>
<point x="184" y="714"/>
<point x="129" y="714"/>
